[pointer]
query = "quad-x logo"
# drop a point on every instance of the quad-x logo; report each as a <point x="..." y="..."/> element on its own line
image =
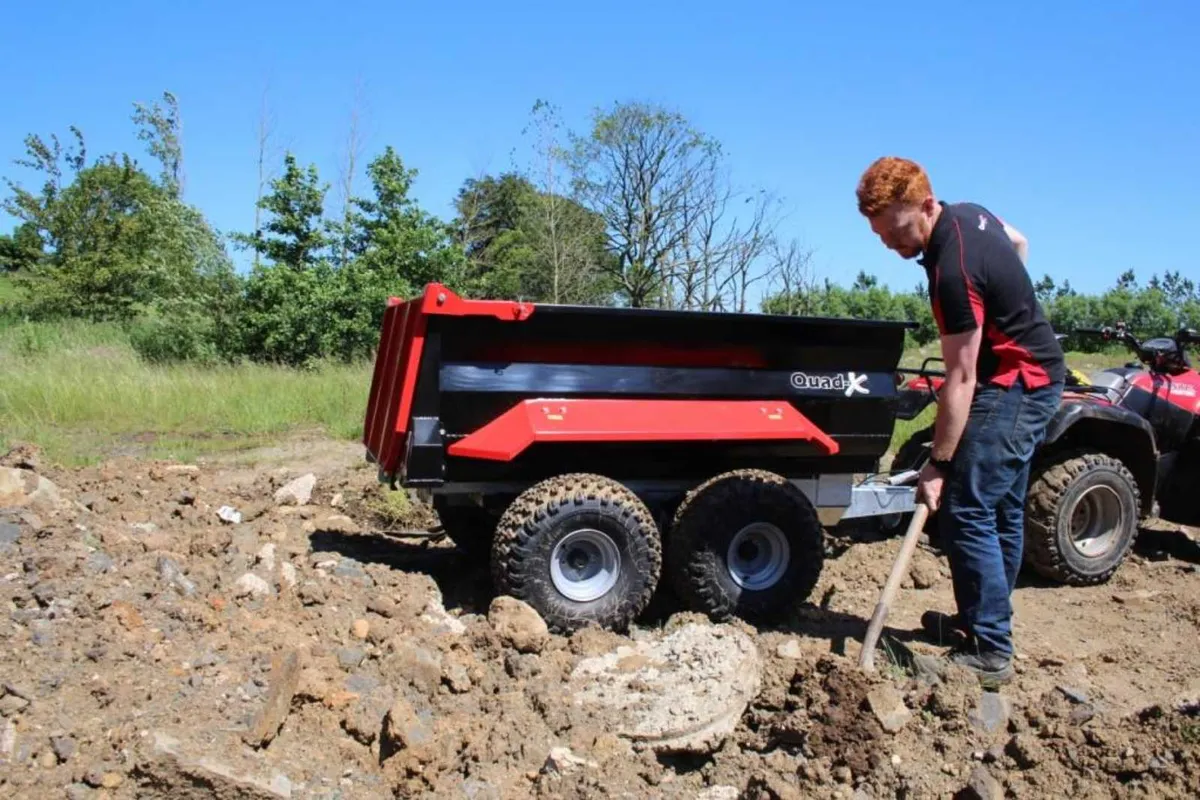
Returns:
<point x="850" y="383"/>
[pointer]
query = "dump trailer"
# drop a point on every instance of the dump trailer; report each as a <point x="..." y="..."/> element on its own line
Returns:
<point x="589" y="452"/>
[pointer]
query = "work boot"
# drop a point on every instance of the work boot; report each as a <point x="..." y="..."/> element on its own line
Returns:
<point x="992" y="669"/>
<point x="945" y="630"/>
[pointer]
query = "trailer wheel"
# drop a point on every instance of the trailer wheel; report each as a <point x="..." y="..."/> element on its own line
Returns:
<point x="746" y="543"/>
<point x="580" y="549"/>
<point x="1081" y="518"/>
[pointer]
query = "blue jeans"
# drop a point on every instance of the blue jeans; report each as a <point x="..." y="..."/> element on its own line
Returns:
<point x="981" y="516"/>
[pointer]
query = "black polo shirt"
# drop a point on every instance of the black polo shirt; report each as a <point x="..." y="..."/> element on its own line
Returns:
<point x="977" y="279"/>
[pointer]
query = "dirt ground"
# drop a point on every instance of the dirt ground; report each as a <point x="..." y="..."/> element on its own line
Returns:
<point x="189" y="630"/>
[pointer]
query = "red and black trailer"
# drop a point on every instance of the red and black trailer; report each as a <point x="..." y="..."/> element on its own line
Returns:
<point x="587" y="451"/>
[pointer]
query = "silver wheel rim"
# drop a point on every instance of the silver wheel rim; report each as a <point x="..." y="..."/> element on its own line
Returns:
<point x="585" y="565"/>
<point x="758" y="556"/>
<point x="1096" y="521"/>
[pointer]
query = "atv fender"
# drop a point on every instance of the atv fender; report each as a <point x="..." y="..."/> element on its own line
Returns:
<point x="1112" y="430"/>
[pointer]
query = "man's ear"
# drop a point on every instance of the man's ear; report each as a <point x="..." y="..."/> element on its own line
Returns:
<point x="928" y="205"/>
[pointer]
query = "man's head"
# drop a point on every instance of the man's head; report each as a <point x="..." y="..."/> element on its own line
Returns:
<point x="895" y="196"/>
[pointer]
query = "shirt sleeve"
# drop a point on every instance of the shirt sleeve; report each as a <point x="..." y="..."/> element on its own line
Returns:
<point x="957" y="303"/>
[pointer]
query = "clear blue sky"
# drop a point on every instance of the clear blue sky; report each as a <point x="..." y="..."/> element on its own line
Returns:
<point x="1077" y="121"/>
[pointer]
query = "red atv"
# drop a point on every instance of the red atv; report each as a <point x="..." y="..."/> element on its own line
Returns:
<point x="1124" y="446"/>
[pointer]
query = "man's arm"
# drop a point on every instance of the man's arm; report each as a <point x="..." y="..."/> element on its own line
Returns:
<point x="961" y="328"/>
<point x="1019" y="241"/>
<point x="960" y="351"/>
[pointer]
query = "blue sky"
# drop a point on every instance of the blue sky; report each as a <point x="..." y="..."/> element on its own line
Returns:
<point x="1077" y="121"/>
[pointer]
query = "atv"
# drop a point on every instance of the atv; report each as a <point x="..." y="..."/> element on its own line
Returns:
<point x="1123" y="447"/>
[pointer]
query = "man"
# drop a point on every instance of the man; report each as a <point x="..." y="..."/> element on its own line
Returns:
<point x="1004" y="379"/>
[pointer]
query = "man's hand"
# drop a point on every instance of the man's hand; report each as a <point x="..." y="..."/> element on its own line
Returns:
<point x="929" y="487"/>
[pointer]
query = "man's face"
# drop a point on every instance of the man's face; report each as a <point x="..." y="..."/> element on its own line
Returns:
<point x="905" y="228"/>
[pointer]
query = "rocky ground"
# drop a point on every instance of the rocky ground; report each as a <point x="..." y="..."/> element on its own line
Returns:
<point x="248" y="630"/>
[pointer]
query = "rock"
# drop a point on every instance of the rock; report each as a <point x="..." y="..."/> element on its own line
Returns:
<point x="337" y="500"/>
<point x="382" y="606"/>
<point x="173" y="576"/>
<point x="1073" y="694"/>
<point x="10" y="533"/>
<point x="285" y="677"/>
<point x="11" y="704"/>
<point x="681" y="693"/>
<point x="165" y="772"/>
<point x="311" y="593"/>
<point x="563" y="761"/>
<point x="297" y="492"/>
<point x="287" y="575"/>
<point x="982" y="786"/>
<point x="888" y="707"/>
<point x="991" y="714"/>
<point x="250" y="585"/>
<point x="404" y="728"/>
<point x="350" y="657"/>
<point x="111" y="780"/>
<point x="421" y="666"/>
<point x="266" y="557"/>
<point x="790" y="649"/>
<point x="229" y="514"/>
<point x="518" y="624"/>
<point x="78" y="791"/>
<point x="64" y="747"/>
<point x="719" y="793"/>
<point x="1025" y="750"/>
<point x="360" y="629"/>
<point x="336" y="523"/>
<point x="23" y="488"/>
<point x="923" y="574"/>
<point x="8" y="739"/>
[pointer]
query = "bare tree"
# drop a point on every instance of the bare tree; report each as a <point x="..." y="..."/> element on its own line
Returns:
<point x="566" y="235"/>
<point x="266" y="128"/>
<point x="348" y="164"/>
<point x="672" y="217"/>
<point x="792" y="283"/>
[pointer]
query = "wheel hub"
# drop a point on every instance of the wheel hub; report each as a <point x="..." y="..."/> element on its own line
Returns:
<point x="1096" y="521"/>
<point x="585" y="565"/>
<point x="758" y="556"/>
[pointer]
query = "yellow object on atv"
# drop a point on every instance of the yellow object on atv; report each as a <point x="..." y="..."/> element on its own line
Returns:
<point x="1077" y="378"/>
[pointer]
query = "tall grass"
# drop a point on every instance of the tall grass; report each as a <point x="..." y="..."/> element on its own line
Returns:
<point x="80" y="392"/>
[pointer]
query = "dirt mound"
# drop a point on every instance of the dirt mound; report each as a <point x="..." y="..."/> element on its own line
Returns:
<point x="242" y="631"/>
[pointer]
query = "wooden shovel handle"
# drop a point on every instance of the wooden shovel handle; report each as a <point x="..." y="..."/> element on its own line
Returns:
<point x="866" y="658"/>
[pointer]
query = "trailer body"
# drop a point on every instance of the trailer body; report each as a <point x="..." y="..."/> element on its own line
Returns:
<point x="476" y="402"/>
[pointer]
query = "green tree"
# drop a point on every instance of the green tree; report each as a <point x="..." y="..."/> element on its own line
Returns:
<point x="161" y="129"/>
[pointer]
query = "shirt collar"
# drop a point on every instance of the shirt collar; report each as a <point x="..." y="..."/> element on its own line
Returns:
<point x="937" y="237"/>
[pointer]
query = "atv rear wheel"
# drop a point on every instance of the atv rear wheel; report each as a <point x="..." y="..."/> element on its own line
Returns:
<point x="1081" y="518"/>
<point x="746" y="543"/>
<point x="580" y="549"/>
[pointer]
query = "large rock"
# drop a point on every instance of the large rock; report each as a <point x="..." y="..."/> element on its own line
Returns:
<point x="166" y="771"/>
<point x="22" y="488"/>
<point x="518" y="624"/>
<point x="683" y="693"/>
<point x="297" y="492"/>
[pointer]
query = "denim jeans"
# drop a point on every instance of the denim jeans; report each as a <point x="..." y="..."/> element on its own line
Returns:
<point x="981" y="516"/>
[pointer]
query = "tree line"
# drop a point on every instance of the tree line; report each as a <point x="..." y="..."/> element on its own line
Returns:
<point x="639" y="209"/>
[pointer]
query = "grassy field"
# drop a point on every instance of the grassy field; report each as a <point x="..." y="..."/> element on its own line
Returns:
<point x="81" y="393"/>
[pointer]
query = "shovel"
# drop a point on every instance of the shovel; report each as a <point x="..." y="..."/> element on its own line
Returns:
<point x="866" y="658"/>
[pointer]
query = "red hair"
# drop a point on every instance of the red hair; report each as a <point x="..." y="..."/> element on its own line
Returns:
<point x="891" y="180"/>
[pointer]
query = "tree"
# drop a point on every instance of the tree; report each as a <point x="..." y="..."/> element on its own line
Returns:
<point x="295" y="234"/>
<point x="669" y="211"/>
<point x="22" y="250"/>
<point x="105" y="241"/>
<point x="161" y="129"/>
